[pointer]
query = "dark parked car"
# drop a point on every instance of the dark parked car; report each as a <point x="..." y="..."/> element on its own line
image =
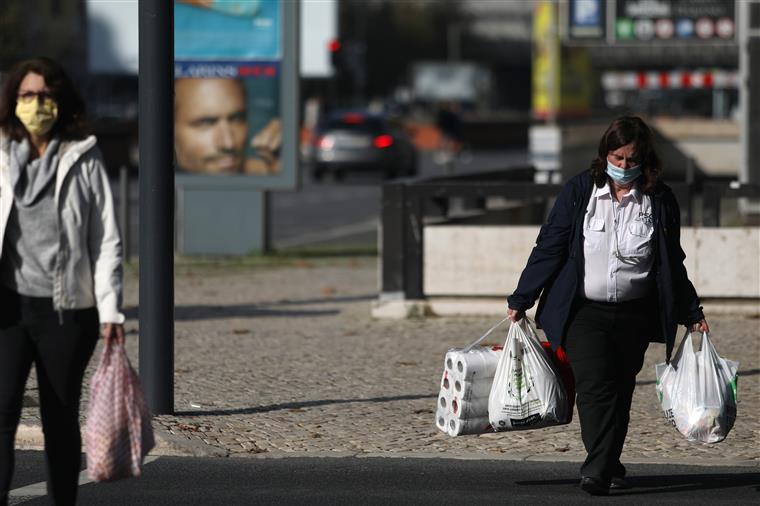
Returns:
<point x="362" y="141"/>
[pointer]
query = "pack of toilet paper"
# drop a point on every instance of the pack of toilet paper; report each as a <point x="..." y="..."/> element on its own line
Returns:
<point x="465" y="385"/>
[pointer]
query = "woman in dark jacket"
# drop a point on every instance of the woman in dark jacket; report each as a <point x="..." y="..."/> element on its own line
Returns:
<point x="608" y="265"/>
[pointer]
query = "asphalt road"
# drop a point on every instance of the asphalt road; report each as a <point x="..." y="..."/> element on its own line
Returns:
<point x="419" y="481"/>
<point x="346" y="212"/>
<point x="333" y="212"/>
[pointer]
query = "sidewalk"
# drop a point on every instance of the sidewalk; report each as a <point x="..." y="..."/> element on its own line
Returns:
<point x="278" y="362"/>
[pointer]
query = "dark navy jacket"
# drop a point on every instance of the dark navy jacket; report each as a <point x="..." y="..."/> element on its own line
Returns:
<point x="556" y="265"/>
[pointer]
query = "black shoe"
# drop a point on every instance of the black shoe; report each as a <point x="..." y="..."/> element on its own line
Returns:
<point x="619" y="484"/>
<point x="594" y="486"/>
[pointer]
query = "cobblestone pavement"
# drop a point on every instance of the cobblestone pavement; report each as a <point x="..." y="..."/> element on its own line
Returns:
<point x="272" y="362"/>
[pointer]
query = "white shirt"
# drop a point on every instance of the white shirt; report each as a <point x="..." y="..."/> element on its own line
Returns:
<point x="617" y="246"/>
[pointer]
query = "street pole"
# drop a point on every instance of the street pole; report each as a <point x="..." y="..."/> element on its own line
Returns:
<point x="156" y="139"/>
<point x="749" y="102"/>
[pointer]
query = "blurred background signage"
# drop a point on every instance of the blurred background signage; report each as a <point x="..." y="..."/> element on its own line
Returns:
<point x="647" y="21"/>
<point x="587" y="19"/>
<point x="228" y="90"/>
<point x="447" y="81"/>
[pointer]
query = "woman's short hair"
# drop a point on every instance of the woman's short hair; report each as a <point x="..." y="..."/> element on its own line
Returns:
<point x="622" y="131"/>
<point x="71" y="123"/>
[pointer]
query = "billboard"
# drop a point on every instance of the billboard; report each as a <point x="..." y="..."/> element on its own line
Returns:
<point x="674" y="20"/>
<point x="649" y="21"/>
<point x="228" y="69"/>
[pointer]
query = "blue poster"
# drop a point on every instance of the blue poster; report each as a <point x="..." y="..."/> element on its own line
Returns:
<point x="587" y="13"/>
<point x="227" y="30"/>
<point x="228" y="120"/>
<point x="586" y="19"/>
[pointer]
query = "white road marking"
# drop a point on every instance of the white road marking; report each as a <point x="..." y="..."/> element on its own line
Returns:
<point x="35" y="490"/>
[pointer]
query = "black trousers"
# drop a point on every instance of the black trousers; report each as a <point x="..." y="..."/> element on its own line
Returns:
<point x="31" y="332"/>
<point x="606" y="343"/>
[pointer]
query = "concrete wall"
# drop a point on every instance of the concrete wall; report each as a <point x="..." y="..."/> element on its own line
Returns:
<point x="487" y="260"/>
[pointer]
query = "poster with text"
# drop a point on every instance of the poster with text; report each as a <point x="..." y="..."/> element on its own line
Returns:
<point x="227" y="90"/>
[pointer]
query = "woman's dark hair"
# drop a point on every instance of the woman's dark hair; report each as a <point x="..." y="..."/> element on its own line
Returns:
<point x="71" y="123"/>
<point x="626" y="130"/>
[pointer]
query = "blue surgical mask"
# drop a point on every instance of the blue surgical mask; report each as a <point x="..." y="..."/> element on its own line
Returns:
<point x="622" y="176"/>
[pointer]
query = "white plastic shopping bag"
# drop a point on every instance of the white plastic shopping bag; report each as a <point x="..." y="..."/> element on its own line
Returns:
<point x="527" y="391"/>
<point x="697" y="391"/>
<point x="118" y="432"/>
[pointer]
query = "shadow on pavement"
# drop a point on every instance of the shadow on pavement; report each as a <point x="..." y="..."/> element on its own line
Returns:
<point x="327" y="300"/>
<point x="641" y="485"/>
<point x="204" y="312"/>
<point x="293" y="406"/>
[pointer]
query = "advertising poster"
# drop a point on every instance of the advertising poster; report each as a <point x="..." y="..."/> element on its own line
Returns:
<point x="228" y="29"/>
<point x="227" y="69"/>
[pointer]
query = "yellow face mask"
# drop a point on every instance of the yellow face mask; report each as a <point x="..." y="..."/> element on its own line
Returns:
<point x="37" y="118"/>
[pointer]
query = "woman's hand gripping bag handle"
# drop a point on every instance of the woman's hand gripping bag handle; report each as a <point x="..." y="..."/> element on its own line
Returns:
<point x="118" y="433"/>
<point x="527" y="391"/>
<point x="697" y="391"/>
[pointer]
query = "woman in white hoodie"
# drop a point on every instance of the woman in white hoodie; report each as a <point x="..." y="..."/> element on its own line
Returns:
<point x="60" y="263"/>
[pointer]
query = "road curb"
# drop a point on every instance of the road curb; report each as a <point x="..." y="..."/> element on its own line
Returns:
<point x="29" y="437"/>
<point x="173" y="445"/>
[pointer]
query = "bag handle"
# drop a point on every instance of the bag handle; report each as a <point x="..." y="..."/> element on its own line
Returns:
<point x="682" y="347"/>
<point x="480" y="339"/>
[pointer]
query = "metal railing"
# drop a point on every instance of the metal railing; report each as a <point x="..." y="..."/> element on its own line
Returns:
<point x="408" y="205"/>
<point x="713" y="193"/>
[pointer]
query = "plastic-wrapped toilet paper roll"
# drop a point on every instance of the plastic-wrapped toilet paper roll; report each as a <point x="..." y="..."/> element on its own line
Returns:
<point x="442" y="417"/>
<point x="445" y="399"/>
<point x="474" y="408"/>
<point x="467" y="390"/>
<point x="449" y="364"/>
<point x="446" y="382"/>
<point x="459" y="427"/>
<point x="475" y="364"/>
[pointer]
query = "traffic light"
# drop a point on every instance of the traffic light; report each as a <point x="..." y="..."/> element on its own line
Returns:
<point x="336" y="54"/>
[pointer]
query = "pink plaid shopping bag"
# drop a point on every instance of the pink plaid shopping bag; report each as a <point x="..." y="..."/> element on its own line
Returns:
<point x="118" y="433"/>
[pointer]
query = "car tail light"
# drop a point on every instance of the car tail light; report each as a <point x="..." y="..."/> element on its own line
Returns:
<point x="383" y="141"/>
<point x="353" y="119"/>
<point x="326" y="142"/>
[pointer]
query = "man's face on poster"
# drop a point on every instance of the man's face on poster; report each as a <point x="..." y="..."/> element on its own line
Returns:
<point x="210" y="125"/>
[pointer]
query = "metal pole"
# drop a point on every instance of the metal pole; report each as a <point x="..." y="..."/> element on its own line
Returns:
<point x="124" y="210"/>
<point x="743" y="34"/>
<point x="156" y="136"/>
<point x="266" y="222"/>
